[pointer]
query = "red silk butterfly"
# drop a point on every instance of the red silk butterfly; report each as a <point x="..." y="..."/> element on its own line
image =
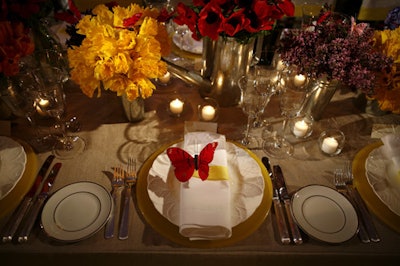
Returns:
<point x="185" y="164"/>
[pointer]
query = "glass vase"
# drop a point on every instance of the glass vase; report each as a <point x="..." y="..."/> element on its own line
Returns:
<point x="229" y="60"/>
<point x="134" y="110"/>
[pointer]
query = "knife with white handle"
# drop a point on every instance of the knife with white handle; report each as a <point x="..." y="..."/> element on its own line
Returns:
<point x="280" y="216"/>
<point x="297" y="238"/>
<point x="15" y="220"/>
<point x="38" y="204"/>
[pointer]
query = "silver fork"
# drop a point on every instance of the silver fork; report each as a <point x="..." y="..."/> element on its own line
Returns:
<point x="364" y="213"/>
<point x="130" y="180"/>
<point x="117" y="182"/>
<point x="340" y="184"/>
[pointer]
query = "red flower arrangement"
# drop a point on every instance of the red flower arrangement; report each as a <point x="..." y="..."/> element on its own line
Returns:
<point x="241" y="19"/>
<point x="14" y="44"/>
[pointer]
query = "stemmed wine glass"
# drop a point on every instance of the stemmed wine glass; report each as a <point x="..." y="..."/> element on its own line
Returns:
<point x="51" y="100"/>
<point x="266" y="81"/>
<point x="20" y="97"/>
<point x="252" y="104"/>
<point x="291" y="100"/>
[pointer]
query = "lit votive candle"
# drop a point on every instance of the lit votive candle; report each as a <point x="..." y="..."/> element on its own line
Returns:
<point x="166" y="78"/>
<point x="299" y="80"/>
<point x="42" y="103"/>
<point x="208" y="113"/>
<point x="280" y="65"/>
<point x="300" y="128"/>
<point x="329" y="145"/>
<point x="176" y="106"/>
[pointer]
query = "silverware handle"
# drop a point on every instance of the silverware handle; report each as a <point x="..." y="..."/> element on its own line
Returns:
<point x="33" y="214"/>
<point x="362" y="233"/>
<point x="281" y="222"/>
<point x="124" y="226"/>
<point x="297" y="239"/>
<point x="109" y="231"/>
<point x="15" y="220"/>
<point x="366" y="216"/>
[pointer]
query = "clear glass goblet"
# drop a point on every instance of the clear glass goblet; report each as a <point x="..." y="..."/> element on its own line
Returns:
<point x="266" y="82"/>
<point x="291" y="99"/>
<point x="51" y="100"/>
<point x="252" y="104"/>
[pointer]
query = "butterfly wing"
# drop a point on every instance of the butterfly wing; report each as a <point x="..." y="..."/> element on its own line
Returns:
<point x="205" y="158"/>
<point x="183" y="163"/>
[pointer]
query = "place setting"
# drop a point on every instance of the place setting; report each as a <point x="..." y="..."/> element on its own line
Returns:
<point x="216" y="207"/>
<point x="376" y="174"/>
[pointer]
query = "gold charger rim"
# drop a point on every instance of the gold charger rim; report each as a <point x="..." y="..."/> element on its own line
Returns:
<point x="372" y="201"/>
<point x="171" y="231"/>
<point x="12" y="200"/>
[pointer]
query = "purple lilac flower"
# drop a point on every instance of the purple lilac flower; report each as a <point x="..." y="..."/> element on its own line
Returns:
<point x="336" y="50"/>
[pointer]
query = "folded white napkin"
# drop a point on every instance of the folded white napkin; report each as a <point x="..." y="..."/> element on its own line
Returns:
<point x="205" y="206"/>
<point x="391" y="151"/>
<point x="391" y="148"/>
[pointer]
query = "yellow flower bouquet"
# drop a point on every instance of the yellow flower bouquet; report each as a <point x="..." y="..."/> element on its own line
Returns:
<point x="387" y="91"/>
<point x="121" y="51"/>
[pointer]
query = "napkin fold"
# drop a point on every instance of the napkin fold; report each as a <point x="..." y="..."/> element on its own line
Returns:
<point x="391" y="148"/>
<point x="391" y="151"/>
<point x="205" y="206"/>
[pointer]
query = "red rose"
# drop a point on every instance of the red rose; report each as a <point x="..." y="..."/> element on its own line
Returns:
<point x="210" y="20"/>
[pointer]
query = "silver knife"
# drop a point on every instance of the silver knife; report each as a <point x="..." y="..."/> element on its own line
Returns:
<point x="280" y="181"/>
<point x="38" y="204"/>
<point x="280" y="216"/>
<point x="365" y="215"/>
<point x="16" y="218"/>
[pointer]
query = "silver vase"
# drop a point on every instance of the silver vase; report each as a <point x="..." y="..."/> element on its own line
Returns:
<point x="230" y="60"/>
<point x="134" y="110"/>
<point x="320" y="93"/>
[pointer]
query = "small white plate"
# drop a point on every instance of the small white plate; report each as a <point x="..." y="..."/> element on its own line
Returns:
<point x="76" y="211"/>
<point x="324" y="214"/>
<point x="12" y="164"/>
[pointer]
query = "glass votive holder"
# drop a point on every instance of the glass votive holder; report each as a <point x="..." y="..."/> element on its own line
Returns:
<point x="208" y="111"/>
<point x="164" y="80"/>
<point x="331" y="142"/>
<point x="176" y="106"/>
<point x="301" y="125"/>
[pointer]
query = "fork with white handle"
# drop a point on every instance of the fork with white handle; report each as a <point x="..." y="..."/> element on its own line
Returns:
<point x="130" y="180"/>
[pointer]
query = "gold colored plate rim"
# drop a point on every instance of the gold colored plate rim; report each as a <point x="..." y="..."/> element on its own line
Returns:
<point x="368" y="195"/>
<point x="171" y="231"/>
<point x="12" y="200"/>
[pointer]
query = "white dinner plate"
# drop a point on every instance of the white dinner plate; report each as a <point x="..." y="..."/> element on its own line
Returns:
<point x="12" y="164"/>
<point x="376" y="166"/>
<point x="76" y="211"/>
<point x="247" y="185"/>
<point x="324" y="214"/>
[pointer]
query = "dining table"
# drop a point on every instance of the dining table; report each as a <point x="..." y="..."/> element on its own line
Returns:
<point x="110" y="139"/>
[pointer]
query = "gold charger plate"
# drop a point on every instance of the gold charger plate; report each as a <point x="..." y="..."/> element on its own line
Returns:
<point x="171" y="231"/>
<point x="370" y="198"/>
<point x="11" y="201"/>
